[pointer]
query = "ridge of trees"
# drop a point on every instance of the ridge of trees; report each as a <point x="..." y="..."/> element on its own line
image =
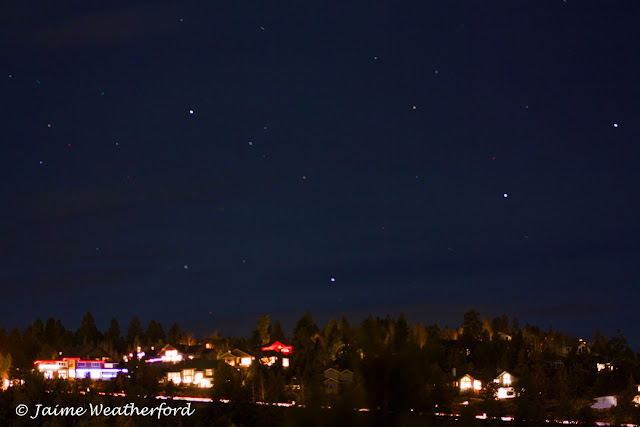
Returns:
<point x="397" y="366"/>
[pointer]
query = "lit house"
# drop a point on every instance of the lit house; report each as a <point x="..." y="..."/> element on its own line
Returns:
<point x="197" y="373"/>
<point x="74" y="367"/>
<point x="278" y="347"/>
<point x="505" y="379"/>
<point x="237" y="358"/>
<point x="505" y="382"/>
<point x="468" y="383"/>
<point x="168" y="354"/>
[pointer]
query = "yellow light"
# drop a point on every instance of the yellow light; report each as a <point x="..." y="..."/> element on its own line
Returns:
<point x="198" y="378"/>
<point x="507" y="379"/>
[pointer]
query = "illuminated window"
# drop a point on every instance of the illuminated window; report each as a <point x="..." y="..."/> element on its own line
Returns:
<point x="174" y="377"/>
<point x="477" y="385"/>
<point x="285" y="362"/>
<point x="245" y="361"/>
<point x="465" y="383"/>
<point x="187" y="376"/>
<point x="506" y="379"/>
<point x="208" y="372"/>
<point x="198" y="377"/>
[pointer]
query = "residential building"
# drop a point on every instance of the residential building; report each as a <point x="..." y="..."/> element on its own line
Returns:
<point x="237" y="358"/>
<point x="168" y="354"/>
<point x="468" y="383"/>
<point x="277" y="347"/>
<point x="197" y="373"/>
<point x="335" y="379"/>
<point x="74" y="367"/>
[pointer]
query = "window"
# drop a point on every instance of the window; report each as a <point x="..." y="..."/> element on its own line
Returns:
<point x="208" y="372"/>
<point x="465" y="383"/>
<point x="198" y="377"/>
<point x="174" y="377"/>
<point x="187" y="376"/>
<point x="506" y="379"/>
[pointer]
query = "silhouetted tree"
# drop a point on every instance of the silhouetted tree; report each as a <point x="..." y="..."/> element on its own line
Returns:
<point x="135" y="334"/>
<point x="88" y="332"/>
<point x="155" y="334"/>
<point x="113" y="336"/>
<point x="276" y="332"/>
<point x="174" y="335"/>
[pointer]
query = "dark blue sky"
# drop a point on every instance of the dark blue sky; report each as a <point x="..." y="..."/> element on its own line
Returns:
<point x="368" y="142"/>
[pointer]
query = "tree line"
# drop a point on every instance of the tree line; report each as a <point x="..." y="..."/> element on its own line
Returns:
<point x="397" y="366"/>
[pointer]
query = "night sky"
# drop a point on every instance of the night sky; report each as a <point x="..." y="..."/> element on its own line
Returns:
<point x="208" y="163"/>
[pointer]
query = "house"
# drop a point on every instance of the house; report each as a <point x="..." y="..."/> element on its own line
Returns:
<point x="505" y="379"/>
<point x="277" y="347"/>
<point x="168" y="354"/>
<point x="237" y="358"/>
<point x="74" y="367"/>
<point x="468" y="383"/>
<point x="505" y="383"/>
<point x="197" y="372"/>
<point x="335" y="379"/>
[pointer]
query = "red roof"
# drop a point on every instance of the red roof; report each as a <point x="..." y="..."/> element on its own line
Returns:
<point x="278" y="346"/>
